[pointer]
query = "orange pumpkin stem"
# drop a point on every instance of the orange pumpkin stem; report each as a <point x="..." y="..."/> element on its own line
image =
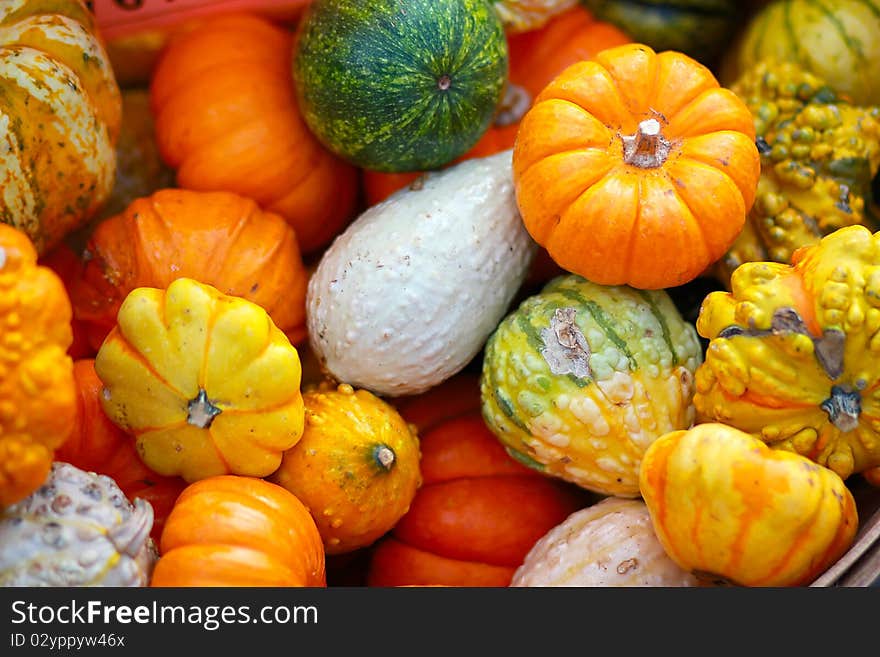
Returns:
<point x="648" y="148"/>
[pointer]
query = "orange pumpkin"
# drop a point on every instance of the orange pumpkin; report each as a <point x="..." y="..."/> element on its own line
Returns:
<point x="535" y="58"/>
<point x="636" y="168"/>
<point x="98" y="445"/>
<point x="226" y="118"/>
<point x="453" y="397"/>
<point x="37" y="392"/>
<point x="476" y="516"/>
<point x="356" y="466"/>
<point x="231" y="530"/>
<point x="64" y="261"/>
<point x="218" y="238"/>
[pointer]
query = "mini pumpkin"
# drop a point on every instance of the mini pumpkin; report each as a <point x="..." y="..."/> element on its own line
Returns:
<point x="356" y="466"/>
<point x="476" y="515"/>
<point x="235" y="531"/>
<point x="59" y="118"/>
<point x="37" y="391"/>
<point x="730" y="509"/>
<point x="227" y="119"/>
<point x="97" y="445"/>
<point x="218" y="238"/>
<point x="636" y="168"/>
<point x="205" y="382"/>
<point x="792" y="352"/>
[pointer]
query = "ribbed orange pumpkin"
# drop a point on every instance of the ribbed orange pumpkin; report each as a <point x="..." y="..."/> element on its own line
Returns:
<point x="227" y="119"/>
<point x="230" y="530"/>
<point x="37" y="392"/>
<point x="636" y="168"/>
<point x="98" y="445"/>
<point x="218" y="238"/>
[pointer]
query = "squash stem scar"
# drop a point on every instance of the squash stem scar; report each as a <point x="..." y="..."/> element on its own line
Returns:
<point x="201" y="412"/>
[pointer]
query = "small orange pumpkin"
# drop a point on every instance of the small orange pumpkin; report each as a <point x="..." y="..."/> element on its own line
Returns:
<point x="729" y="508"/>
<point x="218" y="238"/>
<point x="227" y="119"/>
<point x="636" y="168"/>
<point x="98" y="445"/>
<point x="37" y="391"/>
<point x="476" y="516"/>
<point x="356" y="466"/>
<point x="239" y="531"/>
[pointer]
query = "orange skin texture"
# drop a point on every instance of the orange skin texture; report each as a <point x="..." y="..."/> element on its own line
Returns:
<point x="218" y="238"/>
<point x="455" y="396"/>
<point x="476" y="515"/>
<point x="536" y="57"/>
<point x="728" y="507"/>
<point x="230" y="530"/>
<point x="612" y="219"/>
<point x="37" y="390"/>
<point x="68" y="266"/>
<point x="98" y="445"/>
<point x="334" y="469"/>
<point x="226" y="118"/>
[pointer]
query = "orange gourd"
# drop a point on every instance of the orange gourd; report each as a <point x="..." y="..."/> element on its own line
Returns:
<point x="453" y="397"/>
<point x="218" y="238"/>
<point x="356" y="466"/>
<point x="98" y="445"/>
<point x="730" y="509"/>
<point x="476" y="516"/>
<point x="64" y="261"/>
<point x="37" y="391"/>
<point x="231" y="530"/>
<point x="636" y="168"/>
<point x="226" y="118"/>
<point x="535" y="58"/>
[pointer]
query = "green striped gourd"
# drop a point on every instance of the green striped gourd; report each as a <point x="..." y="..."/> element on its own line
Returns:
<point x="837" y="40"/>
<point x="60" y="112"/>
<point x="580" y="379"/>
<point x="400" y="85"/>
<point x="699" y="28"/>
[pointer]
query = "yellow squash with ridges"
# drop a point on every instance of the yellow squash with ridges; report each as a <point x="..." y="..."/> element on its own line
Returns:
<point x="205" y="382"/>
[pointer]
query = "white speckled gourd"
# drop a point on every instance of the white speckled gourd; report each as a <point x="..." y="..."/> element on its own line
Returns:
<point x="78" y="529"/>
<point x="611" y="543"/>
<point x="406" y="296"/>
<point x="580" y="379"/>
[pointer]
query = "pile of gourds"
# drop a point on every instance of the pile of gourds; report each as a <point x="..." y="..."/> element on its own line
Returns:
<point x="439" y="292"/>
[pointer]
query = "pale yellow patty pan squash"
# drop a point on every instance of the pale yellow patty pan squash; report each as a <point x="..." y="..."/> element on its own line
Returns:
<point x="205" y="382"/>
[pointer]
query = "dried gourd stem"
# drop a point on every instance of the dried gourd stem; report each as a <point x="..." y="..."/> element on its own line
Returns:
<point x="648" y="148"/>
<point x="384" y="456"/>
<point x="201" y="412"/>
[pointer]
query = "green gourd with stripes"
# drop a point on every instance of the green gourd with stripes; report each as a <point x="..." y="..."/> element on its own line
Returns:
<point x="580" y="379"/>
<point x="400" y="85"/>
<point x="837" y="40"/>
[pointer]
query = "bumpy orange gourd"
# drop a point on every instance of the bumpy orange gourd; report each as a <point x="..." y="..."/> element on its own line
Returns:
<point x="227" y="119"/>
<point x="97" y="445"/>
<point x="356" y="466"/>
<point x="636" y="168"/>
<point x="218" y="238"/>
<point x="59" y="118"/>
<point x="727" y="507"/>
<point x="37" y="392"/>
<point x="205" y="382"/>
<point x="793" y="352"/>
<point x="239" y="531"/>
